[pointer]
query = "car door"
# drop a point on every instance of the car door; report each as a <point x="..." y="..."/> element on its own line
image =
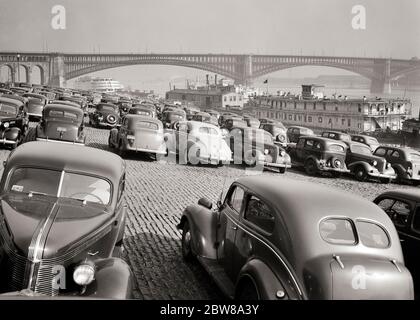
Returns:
<point x="299" y="151"/>
<point x="228" y="226"/>
<point x="257" y="220"/>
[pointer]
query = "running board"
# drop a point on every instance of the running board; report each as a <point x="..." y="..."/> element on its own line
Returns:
<point x="217" y="272"/>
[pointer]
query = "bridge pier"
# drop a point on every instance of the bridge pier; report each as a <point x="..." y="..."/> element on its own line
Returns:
<point x="382" y="82"/>
<point x="57" y="72"/>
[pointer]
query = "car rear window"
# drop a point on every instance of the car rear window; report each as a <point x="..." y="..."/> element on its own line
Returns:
<point x="61" y="114"/>
<point x="372" y="235"/>
<point x="336" y="148"/>
<point x="146" y="125"/>
<point x="4" y="108"/>
<point x="338" y="231"/>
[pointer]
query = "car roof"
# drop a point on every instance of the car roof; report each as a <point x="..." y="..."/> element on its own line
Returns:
<point x="71" y="157"/>
<point x="403" y="149"/>
<point x="11" y="101"/>
<point x="318" y="138"/>
<point x="141" y="117"/>
<point x="335" y="132"/>
<point x="299" y="127"/>
<point x="402" y="193"/>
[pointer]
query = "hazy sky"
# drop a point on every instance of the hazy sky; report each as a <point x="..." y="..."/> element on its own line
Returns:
<point x="236" y="26"/>
<point x="321" y="27"/>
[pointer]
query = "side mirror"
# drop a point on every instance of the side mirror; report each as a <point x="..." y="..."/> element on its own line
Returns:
<point x="205" y="203"/>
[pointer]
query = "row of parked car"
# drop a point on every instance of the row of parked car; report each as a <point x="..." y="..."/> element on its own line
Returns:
<point x="63" y="214"/>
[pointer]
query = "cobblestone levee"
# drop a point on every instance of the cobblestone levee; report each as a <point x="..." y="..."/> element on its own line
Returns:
<point x="156" y="193"/>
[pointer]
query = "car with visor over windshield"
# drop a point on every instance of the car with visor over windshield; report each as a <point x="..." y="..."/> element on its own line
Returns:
<point x="62" y="220"/>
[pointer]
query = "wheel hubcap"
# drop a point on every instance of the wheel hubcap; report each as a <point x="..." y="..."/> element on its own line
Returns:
<point x="187" y="241"/>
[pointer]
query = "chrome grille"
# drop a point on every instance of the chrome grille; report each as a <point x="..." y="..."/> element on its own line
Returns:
<point x="16" y="268"/>
<point x="45" y="280"/>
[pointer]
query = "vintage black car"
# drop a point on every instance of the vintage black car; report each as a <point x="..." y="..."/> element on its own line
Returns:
<point x="36" y="103"/>
<point x="364" y="165"/>
<point x="367" y="140"/>
<point x="61" y="123"/>
<point x="138" y="133"/>
<point x="14" y="121"/>
<point x="62" y="222"/>
<point x="278" y="131"/>
<point x="170" y="116"/>
<point x="276" y="238"/>
<point x="405" y="161"/>
<point x="255" y="147"/>
<point x="105" y="115"/>
<point x="403" y="207"/>
<point x="295" y="132"/>
<point x="317" y="155"/>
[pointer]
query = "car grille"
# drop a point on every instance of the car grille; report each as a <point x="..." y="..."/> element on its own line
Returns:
<point x="15" y="270"/>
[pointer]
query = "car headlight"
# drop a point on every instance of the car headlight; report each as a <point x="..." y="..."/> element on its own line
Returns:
<point x="266" y="151"/>
<point x="6" y="124"/>
<point x="374" y="163"/>
<point x="84" y="274"/>
<point x="388" y="165"/>
<point x="130" y="137"/>
<point x="281" y="138"/>
<point x="282" y="153"/>
<point x="100" y="116"/>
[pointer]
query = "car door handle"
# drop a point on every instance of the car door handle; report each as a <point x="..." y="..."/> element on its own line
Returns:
<point x="234" y="228"/>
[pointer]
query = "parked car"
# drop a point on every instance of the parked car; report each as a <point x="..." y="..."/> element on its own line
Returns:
<point x="144" y="111"/>
<point x="367" y="140"/>
<point x="279" y="132"/>
<point x="405" y="161"/>
<point x="403" y="207"/>
<point x="191" y="111"/>
<point x="364" y="165"/>
<point x="228" y="115"/>
<point x="14" y="122"/>
<point x="81" y="101"/>
<point x="213" y="113"/>
<point x="138" y="133"/>
<point x="62" y="222"/>
<point x="105" y="115"/>
<point x="317" y="155"/>
<point x="170" y="116"/>
<point x="198" y="142"/>
<point x="36" y="104"/>
<point x="230" y="122"/>
<point x="295" y="132"/>
<point x="280" y="239"/>
<point x="336" y="135"/>
<point x="61" y="123"/>
<point x="5" y="91"/>
<point x="256" y="147"/>
<point x="205" y="117"/>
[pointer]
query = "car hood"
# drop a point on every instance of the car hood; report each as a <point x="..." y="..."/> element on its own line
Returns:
<point x="44" y="227"/>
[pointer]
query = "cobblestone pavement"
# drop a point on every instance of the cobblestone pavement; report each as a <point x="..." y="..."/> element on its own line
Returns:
<point x="156" y="194"/>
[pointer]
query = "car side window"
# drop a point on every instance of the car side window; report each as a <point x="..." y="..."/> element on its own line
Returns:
<point x="317" y="145"/>
<point x="259" y="214"/>
<point x="236" y="199"/>
<point x="296" y="131"/>
<point x="380" y="152"/>
<point x="300" y="143"/>
<point x="416" y="220"/>
<point x="386" y="204"/>
<point x="325" y="134"/>
<point x="309" y="143"/>
<point x="395" y="154"/>
<point x="399" y="213"/>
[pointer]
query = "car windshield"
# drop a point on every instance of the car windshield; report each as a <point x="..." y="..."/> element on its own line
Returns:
<point x="60" y="184"/>
<point x="141" y="112"/>
<point x="306" y="131"/>
<point x="7" y="109"/>
<point x="361" y="149"/>
<point x="62" y="115"/>
<point x="106" y="108"/>
<point x="345" y="137"/>
<point x="259" y="135"/>
<point x="174" y="116"/>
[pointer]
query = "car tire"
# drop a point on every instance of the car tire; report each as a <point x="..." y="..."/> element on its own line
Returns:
<point x="121" y="151"/>
<point x="110" y="144"/>
<point x="386" y="180"/>
<point x="360" y="174"/>
<point x="282" y="170"/>
<point x="186" y="250"/>
<point x="310" y="167"/>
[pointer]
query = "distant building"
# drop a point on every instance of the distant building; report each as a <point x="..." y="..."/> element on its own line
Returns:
<point x="208" y="97"/>
<point x="311" y="109"/>
<point x="98" y="84"/>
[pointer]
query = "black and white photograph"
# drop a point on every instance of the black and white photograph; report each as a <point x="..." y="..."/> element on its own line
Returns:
<point x="229" y="152"/>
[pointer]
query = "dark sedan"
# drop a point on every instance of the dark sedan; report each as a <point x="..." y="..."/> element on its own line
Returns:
<point x="105" y="115"/>
<point x="276" y="238"/>
<point x="62" y="222"/>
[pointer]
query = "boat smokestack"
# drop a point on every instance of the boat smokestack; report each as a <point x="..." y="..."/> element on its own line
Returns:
<point x="207" y="79"/>
<point x="215" y="79"/>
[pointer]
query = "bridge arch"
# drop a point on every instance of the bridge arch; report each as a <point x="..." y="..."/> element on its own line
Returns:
<point x="8" y="69"/>
<point x="38" y="74"/>
<point x="73" y="72"/>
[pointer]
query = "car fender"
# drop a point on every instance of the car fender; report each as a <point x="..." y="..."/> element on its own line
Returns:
<point x="352" y="166"/>
<point x="312" y="157"/>
<point x="12" y="133"/>
<point x="264" y="280"/>
<point x="400" y="170"/>
<point x="202" y="222"/>
<point x="113" y="280"/>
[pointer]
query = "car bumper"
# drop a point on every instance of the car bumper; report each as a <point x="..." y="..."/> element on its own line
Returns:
<point x="145" y="150"/>
<point x="106" y="124"/>
<point x="60" y="141"/>
<point x="385" y="175"/>
<point x="329" y="169"/>
<point x="5" y="141"/>
<point x="33" y="114"/>
<point x="275" y="165"/>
